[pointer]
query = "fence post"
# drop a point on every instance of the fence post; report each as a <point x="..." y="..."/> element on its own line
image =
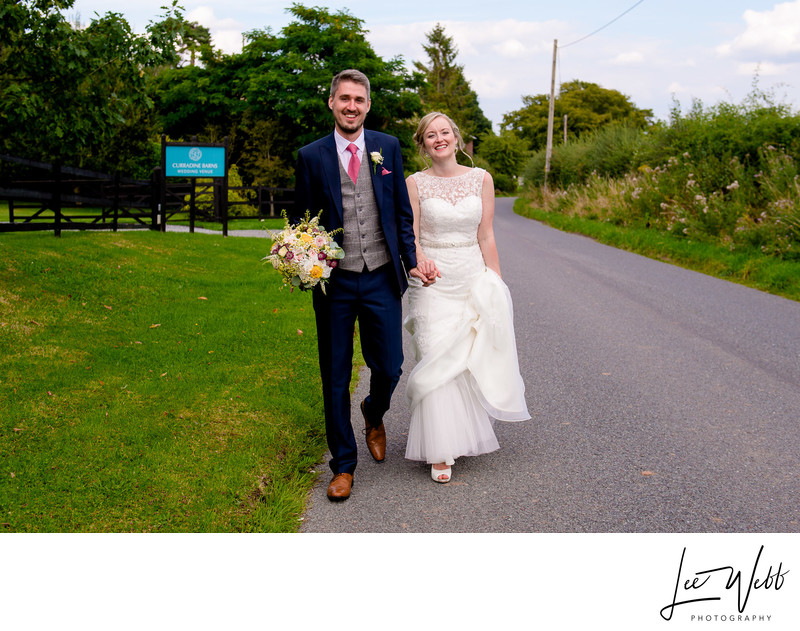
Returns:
<point x="223" y="203"/>
<point x="56" y="196"/>
<point x="193" y="198"/>
<point x="224" y="197"/>
<point x="155" y="197"/>
<point x="192" y="203"/>
<point x="162" y="188"/>
<point x="115" y="207"/>
<point x="162" y="203"/>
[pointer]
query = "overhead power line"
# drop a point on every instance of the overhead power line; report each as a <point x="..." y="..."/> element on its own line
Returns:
<point x="605" y="25"/>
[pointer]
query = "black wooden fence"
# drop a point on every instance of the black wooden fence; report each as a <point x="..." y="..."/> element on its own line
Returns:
<point x="44" y="196"/>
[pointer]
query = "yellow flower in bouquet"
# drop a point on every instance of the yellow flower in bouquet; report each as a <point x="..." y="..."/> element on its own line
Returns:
<point x="305" y="254"/>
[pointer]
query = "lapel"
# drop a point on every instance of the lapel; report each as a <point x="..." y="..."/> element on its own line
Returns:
<point x="372" y="144"/>
<point x="330" y="171"/>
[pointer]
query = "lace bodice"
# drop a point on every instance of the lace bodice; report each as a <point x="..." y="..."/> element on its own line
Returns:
<point x="450" y="208"/>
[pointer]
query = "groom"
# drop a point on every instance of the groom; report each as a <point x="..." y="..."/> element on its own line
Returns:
<point x="355" y="177"/>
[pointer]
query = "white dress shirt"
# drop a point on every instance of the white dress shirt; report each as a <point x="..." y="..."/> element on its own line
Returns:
<point x="342" y="144"/>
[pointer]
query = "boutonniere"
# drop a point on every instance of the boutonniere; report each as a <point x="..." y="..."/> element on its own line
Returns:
<point x="377" y="160"/>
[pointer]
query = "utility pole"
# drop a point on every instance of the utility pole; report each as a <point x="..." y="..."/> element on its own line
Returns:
<point x="551" y="116"/>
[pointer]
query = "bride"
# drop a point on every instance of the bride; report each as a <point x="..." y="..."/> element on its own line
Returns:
<point x="462" y="325"/>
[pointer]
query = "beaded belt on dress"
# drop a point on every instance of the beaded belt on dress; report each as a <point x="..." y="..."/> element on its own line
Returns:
<point x="447" y="244"/>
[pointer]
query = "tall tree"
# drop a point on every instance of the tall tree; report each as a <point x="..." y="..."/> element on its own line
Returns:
<point x="588" y="107"/>
<point x="446" y="89"/>
<point x="275" y="92"/>
<point x="288" y="77"/>
<point x="506" y="154"/>
<point x="78" y="95"/>
<point x="195" y="42"/>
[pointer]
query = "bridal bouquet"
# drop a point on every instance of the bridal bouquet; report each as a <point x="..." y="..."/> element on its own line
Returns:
<point x="305" y="254"/>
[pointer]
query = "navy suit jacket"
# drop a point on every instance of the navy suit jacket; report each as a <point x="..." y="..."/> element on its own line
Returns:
<point x="318" y="188"/>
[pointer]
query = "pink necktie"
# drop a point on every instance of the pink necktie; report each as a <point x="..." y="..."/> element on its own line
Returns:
<point x="355" y="163"/>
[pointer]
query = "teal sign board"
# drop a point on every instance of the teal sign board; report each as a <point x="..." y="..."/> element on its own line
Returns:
<point x="188" y="161"/>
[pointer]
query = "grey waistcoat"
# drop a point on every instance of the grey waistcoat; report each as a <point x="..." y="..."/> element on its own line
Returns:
<point x="363" y="240"/>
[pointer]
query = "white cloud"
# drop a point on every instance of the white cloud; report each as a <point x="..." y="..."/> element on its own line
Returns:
<point x="632" y="58"/>
<point x="502" y="59"/>
<point x="507" y="38"/>
<point x="511" y="49"/>
<point x="773" y="34"/>
<point x="750" y="69"/>
<point x="226" y="33"/>
<point x="677" y="88"/>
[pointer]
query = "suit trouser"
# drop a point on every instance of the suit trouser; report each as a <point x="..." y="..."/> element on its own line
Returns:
<point x="373" y="300"/>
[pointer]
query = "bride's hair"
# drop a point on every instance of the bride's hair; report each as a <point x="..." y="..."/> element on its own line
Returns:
<point x="424" y="123"/>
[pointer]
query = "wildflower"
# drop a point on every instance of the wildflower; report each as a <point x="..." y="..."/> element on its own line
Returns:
<point x="734" y="186"/>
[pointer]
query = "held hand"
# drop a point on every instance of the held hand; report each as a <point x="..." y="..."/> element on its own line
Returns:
<point x="426" y="271"/>
<point x="414" y="272"/>
<point x="428" y="267"/>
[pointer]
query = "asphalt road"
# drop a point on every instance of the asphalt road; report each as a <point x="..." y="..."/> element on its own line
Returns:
<point x="662" y="401"/>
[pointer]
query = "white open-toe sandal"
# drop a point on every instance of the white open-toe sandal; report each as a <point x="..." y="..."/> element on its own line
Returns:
<point x="435" y="473"/>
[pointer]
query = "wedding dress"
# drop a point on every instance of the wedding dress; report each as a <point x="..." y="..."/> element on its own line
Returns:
<point x="462" y="331"/>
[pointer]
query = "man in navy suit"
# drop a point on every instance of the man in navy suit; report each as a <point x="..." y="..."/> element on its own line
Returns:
<point x="355" y="177"/>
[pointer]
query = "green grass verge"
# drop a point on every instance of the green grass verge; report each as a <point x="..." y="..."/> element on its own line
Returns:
<point x="747" y="267"/>
<point x="153" y="382"/>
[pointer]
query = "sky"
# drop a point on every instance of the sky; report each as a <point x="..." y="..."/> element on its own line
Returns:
<point x="658" y="53"/>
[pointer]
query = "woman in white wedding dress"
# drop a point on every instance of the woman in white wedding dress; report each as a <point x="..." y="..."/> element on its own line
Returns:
<point x="461" y="325"/>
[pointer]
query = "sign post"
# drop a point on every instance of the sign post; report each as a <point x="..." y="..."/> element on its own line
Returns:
<point x="193" y="160"/>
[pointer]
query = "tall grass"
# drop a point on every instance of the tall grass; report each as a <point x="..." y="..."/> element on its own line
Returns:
<point x="611" y="151"/>
<point x="726" y="176"/>
<point x="745" y="266"/>
<point x="153" y="382"/>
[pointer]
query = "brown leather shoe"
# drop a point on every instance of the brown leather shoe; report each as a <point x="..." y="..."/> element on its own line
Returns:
<point x="339" y="488"/>
<point x="376" y="437"/>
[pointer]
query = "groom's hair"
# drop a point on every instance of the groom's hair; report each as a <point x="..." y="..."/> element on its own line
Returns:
<point x="356" y="76"/>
